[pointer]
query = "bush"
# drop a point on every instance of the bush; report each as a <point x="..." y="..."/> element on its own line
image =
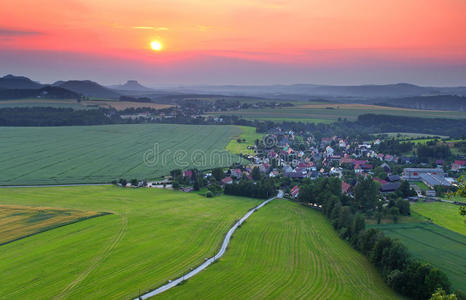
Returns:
<point x="209" y="194"/>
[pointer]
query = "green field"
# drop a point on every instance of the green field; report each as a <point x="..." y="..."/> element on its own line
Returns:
<point x="153" y="235"/>
<point x="34" y="102"/>
<point x="286" y="251"/>
<point x="325" y="113"/>
<point x="441" y="247"/>
<point x="94" y="154"/>
<point x="250" y="135"/>
<point x="443" y="214"/>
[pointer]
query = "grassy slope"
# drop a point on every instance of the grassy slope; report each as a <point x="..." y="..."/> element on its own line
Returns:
<point x="20" y="221"/>
<point x="320" y="112"/>
<point x="153" y="235"/>
<point x="285" y="251"/>
<point x="81" y="154"/>
<point x="434" y="244"/>
<point x="248" y="133"/>
<point x="443" y="214"/>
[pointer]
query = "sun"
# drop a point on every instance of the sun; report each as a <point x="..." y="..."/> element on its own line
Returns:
<point x="156" y="45"/>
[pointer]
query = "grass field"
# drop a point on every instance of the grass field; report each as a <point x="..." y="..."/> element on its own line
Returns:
<point x="286" y="251"/>
<point x="443" y="214"/>
<point x="93" y="154"/>
<point x="153" y="235"/>
<point x="324" y="113"/>
<point x="18" y="222"/>
<point x="250" y="135"/>
<point x="441" y="247"/>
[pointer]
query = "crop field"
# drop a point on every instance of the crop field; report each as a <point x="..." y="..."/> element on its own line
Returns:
<point x="96" y="154"/>
<point x="441" y="247"/>
<point x="18" y="222"/>
<point x="324" y="113"/>
<point x="151" y="236"/>
<point x="250" y="135"/>
<point x="286" y="251"/>
<point x="443" y="214"/>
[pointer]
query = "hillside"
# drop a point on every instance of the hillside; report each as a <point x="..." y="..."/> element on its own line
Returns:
<point x="18" y="82"/>
<point x="286" y="251"/>
<point x="49" y="92"/>
<point x="151" y="235"/>
<point x="88" y="88"/>
<point x="131" y="85"/>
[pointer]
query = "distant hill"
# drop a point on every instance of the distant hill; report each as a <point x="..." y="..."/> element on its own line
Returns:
<point x="18" y="82"/>
<point x="48" y="92"/>
<point x="88" y="88"/>
<point x="131" y="85"/>
<point x="441" y="102"/>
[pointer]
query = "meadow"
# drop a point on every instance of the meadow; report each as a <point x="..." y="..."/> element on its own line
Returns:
<point x="443" y="214"/>
<point x="286" y="251"/>
<point x="330" y="112"/>
<point x="431" y="243"/>
<point x="96" y="154"/>
<point x="151" y="236"/>
<point x="250" y="135"/>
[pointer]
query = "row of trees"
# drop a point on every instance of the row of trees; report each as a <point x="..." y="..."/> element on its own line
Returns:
<point x="265" y="188"/>
<point x="400" y="270"/>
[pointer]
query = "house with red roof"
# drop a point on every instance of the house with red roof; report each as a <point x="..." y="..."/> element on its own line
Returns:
<point x="345" y="187"/>
<point x="294" y="192"/>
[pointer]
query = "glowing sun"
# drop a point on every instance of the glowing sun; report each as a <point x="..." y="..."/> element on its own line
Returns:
<point x="156" y="45"/>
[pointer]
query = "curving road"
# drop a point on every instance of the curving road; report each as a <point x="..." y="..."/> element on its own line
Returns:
<point x="209" y="261"/>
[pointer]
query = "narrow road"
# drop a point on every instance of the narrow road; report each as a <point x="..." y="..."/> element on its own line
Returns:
<point x="209" y="261"/>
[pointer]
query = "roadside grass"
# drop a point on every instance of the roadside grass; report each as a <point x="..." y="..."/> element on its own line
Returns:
<point x="18" y="221"/>
<point x="443" y="214"/>
<point x="286" y="251"/>
<point x="434" y="244"/>
<point x="99" y="154"/>
<point x="250" y="135"/>
<point x="152" y="236"/>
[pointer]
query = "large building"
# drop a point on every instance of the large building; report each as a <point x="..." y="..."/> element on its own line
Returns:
<point x="415" y="173"/>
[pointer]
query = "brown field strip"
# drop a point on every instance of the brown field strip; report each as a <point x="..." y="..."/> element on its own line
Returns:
<point x="18" y="222"/>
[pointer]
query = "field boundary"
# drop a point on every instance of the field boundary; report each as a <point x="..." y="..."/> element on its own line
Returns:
<point x="101" y="214"/>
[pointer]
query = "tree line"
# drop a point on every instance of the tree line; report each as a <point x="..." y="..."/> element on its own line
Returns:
<point x="400" y="270"/>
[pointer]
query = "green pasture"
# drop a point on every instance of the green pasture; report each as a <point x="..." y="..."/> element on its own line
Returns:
<point x="434" y="244"/>
<point x="443" y="214"/>
<point x="96" y="154"/>
<point x="247" y="133"/>
<point x="286" y="251"/>
<point x="152" y="235"/>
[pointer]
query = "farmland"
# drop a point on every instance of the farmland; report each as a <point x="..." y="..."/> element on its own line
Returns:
<point x="442" y="214"/>
<point x="286" y="251"/>
<point x="325" y="113"/>
<point x="247" y="133"/>
<point x="94" y="154"/>
<point x="434" y="244"/>
<point x="22" y="221"/>
<point x="151" y="236"/>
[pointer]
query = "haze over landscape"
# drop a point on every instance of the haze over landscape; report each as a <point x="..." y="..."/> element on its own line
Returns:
<point x="233" y="149"/>
<point x="236" y="42"/>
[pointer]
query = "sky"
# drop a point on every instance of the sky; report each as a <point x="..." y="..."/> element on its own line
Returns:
<point x="236" y="41"/>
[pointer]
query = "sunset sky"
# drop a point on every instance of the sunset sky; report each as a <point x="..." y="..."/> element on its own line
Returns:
<point x="236" y="41"/>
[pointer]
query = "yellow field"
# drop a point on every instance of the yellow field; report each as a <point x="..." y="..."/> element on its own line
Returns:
<point x="17" y="222"/>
